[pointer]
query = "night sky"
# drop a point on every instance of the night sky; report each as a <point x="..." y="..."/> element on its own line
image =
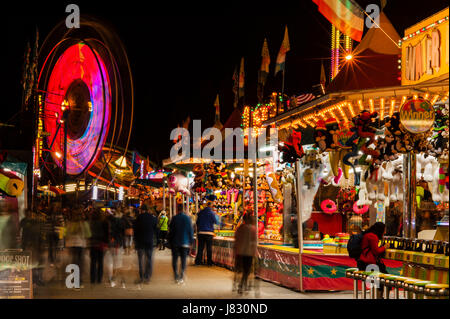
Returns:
<point x="182" y="56"/>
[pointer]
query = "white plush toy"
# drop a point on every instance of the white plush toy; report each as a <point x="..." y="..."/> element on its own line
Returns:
<point x="375" y="185"/>
<point x="424" y="167"/>
<point x="363" y="194"/>
<point x="393" y="175"/>
<point x="327" y="173"/>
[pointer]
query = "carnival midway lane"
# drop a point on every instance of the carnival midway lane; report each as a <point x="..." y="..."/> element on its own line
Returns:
<point x="202" y="283"/>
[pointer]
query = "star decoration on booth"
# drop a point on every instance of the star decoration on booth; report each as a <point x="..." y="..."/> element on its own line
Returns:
<point x="310" y="271"/>
<point x="333" y="271"/>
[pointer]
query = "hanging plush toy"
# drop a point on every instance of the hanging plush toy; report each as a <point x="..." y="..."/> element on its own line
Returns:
<point x="327" y="175"/>
<point x="393" y="176"/>
<point x="274" y="187"/>
<point x="337" y="150"/>
<point x="424" y="167"/>
<point x="375" y="184"/>
<point x="199" y="179"/>
<point x="402" y="139"/>
<point x="178" y="183"/>
<point x="321" y="136"/>
<point x="10" y="183"/>
<point x="292" y="148"/>
<point x="365" y="129"/>
<point x="363" y="195"/>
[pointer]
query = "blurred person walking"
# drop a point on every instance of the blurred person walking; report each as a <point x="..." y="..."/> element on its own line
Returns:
<point x="78" y="232"/>
<point x="54" y="228"/>
<point x="144" y="231"/>
<point x="244" y="251"/>
<point x="206" y="219"/>
<point x="180" y="237"/>
<point x="128" y="222"/>
<point x="116" y="243"/>
<point x="163" y="224"/>
<point x="32" y="240"/>
<point x="98" y="244"/>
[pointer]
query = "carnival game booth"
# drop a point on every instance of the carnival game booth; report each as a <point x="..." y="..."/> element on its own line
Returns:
<point x="232" y="182"/>
<point x="387" y="147"/>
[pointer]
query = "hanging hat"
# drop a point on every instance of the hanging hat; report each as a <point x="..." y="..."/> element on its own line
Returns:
<point x="320" y="125"/>
<point x="331" y="121"/>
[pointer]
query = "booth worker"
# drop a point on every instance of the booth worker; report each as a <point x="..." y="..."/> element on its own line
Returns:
<point x="206" y="219"/>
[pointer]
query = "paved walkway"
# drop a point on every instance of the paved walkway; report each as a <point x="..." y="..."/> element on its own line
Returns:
<point x="202" y="282"/>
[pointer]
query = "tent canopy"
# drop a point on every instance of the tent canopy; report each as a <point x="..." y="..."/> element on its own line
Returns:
<point x="374" y="63"/>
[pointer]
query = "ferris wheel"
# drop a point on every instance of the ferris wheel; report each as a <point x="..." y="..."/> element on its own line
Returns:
<point x="85" y="91"/>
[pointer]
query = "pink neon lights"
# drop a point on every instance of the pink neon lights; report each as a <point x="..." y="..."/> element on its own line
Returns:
<point x="78" y="62"/>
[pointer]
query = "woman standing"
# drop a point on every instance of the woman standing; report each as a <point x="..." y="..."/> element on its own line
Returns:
<point x="371" y="253"/>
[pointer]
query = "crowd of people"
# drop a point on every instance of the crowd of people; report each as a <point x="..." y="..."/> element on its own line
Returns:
<point x="107" y="235"/>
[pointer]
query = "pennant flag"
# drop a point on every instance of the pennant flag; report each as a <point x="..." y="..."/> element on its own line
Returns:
<point x="186" y="123"/>
<point x="323" y="78"/>
<point x="241" y="79"/>
<point x="265" y="62"/>
<point x="235" y="86"/>
<point x="217" y="106"/>
<point x="345" y="15"/>
<point x="281" y="58"/>
<point x="26" y="73"/>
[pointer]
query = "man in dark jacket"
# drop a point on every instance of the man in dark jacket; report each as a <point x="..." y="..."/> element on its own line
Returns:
<point x="206" y="219"/>
<point x="181" y="237"/>
<point x="144" y="230"/>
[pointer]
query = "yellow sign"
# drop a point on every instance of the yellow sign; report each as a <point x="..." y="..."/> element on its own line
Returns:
<point x="425" y="49"/>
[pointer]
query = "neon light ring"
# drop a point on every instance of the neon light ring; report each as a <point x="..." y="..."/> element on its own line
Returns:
<point x="80" y="78"/>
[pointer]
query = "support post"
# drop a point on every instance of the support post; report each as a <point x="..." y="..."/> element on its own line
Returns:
<point x="409" y="195"/>
<point x="196" y="203"/>
<point x="170" y="206"/>
<point x="299" y="222"/>
<point x="164" y="194"/>
<point x="255" y="196"/>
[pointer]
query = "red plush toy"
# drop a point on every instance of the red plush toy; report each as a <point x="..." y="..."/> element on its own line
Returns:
<point x="366" y="130"/>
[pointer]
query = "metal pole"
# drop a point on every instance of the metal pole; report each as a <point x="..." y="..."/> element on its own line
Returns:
<point x="164" y="194"/>
<point x="170" y="205"/>
<point x="196" y="203"/>
<point x="255" y="195"/>
<point x="174" y="212"/>
<point x="409" y="195"/>
<point x="65" y="156"/>
<point x="299" y="223"/>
